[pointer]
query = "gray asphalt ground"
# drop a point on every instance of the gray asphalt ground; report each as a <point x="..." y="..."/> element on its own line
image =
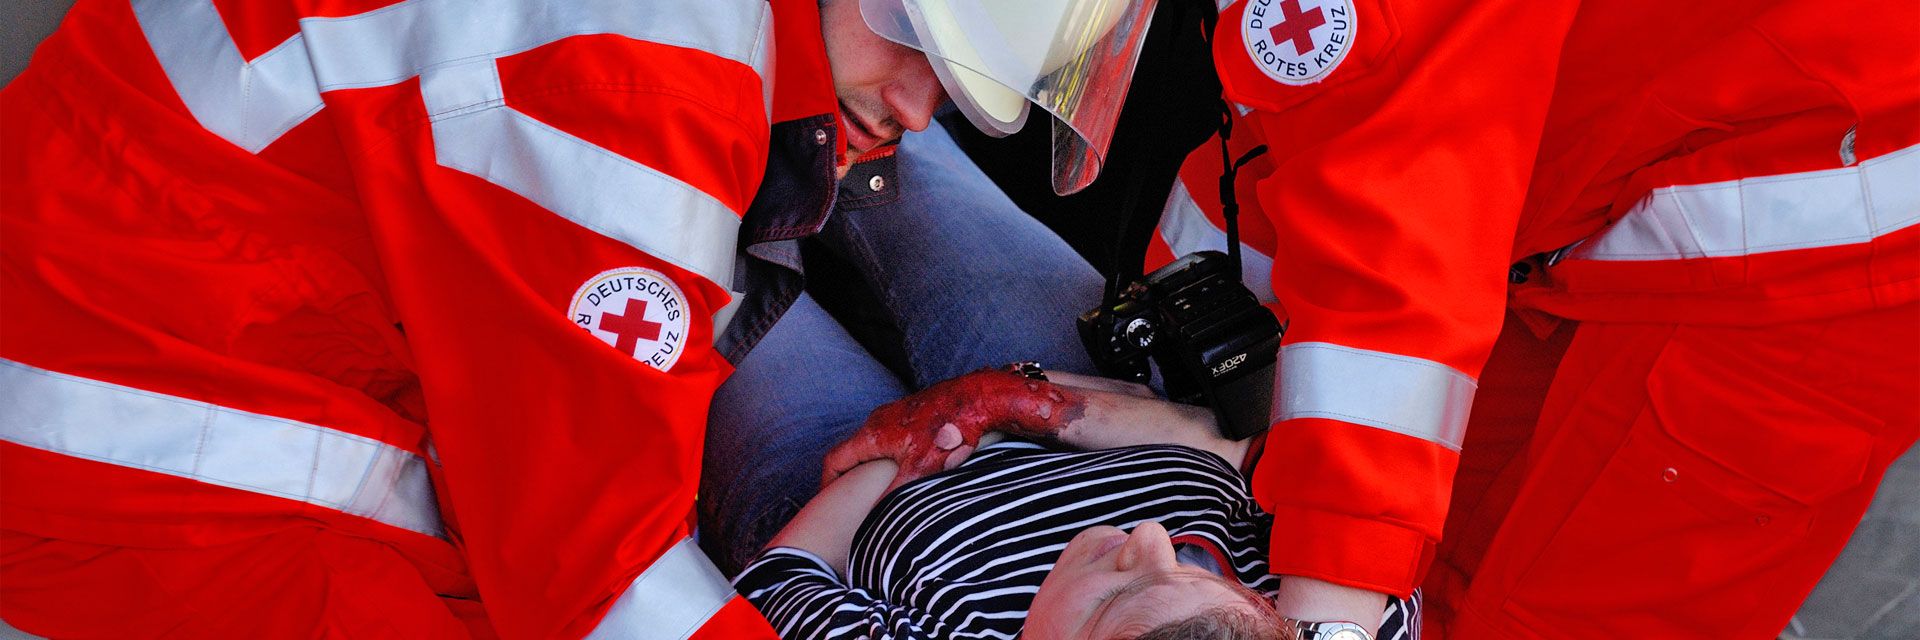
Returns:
<point x="1872" y="592"/>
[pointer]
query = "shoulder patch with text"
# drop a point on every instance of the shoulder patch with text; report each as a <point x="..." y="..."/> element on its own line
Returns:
<point x="1298" y="42"/>
<point x="638" y="311"/>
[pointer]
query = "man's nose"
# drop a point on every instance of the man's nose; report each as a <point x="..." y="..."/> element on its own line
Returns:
<point x="1147" y="546"/>
<point x="915" y="96"/>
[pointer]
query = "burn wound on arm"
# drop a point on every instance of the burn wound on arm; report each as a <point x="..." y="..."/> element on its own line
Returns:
<point x="935" y="428"/>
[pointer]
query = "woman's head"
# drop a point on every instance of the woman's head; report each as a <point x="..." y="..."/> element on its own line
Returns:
<point x="1110" y="584"/>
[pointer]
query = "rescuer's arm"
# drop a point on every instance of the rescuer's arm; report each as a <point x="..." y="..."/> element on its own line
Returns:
<point x="1302" y="598"/>
<point x="557" y="259"/>
<point x="1393" y="215"/>
<point x="940" y="426"/>
<point x="825" y="526"/>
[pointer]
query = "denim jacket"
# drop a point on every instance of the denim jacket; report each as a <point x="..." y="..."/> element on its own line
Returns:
<point x="796" y="197"/>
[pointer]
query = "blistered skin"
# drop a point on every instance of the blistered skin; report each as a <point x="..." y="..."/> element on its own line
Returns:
<point x="938" y="427"/>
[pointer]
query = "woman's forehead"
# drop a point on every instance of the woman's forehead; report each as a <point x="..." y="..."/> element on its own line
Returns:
<point x="1171" y="596"/>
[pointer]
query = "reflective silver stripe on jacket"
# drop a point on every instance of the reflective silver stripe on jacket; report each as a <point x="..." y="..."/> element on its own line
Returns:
<point x="1827" y="208"/>
<point x="670" y="600"/>
<point x="250" y="103"/>
<point x="597" y="189"/>
<point x="1402" y="394"/>
<point x="130" y="427"/>
<point x="452" y="47"/>
<point x="1186" y="229"/>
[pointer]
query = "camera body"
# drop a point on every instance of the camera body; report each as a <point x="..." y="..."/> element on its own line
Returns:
<point x="1215" y="344"/>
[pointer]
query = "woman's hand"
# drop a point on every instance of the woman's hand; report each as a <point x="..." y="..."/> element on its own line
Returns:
<point x="937" y="428"/>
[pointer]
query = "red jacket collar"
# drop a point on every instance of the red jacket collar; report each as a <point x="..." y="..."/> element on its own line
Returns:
<point x="802" y="78"/>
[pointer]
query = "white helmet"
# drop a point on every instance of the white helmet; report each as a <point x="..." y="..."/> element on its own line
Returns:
<point x="1074" y="58"/>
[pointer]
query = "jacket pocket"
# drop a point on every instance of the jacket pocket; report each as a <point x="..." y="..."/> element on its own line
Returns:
<point x="1740" y="399"/>
<point x="1713" y="488"/>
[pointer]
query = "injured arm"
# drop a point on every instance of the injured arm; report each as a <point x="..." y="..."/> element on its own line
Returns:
<point x="938" y="427"/>
<point x="1119" y="414"/>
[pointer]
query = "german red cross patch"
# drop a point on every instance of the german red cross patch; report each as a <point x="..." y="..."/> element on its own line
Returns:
<point x="1298" y="42"/>
<point x="638" y="311"/>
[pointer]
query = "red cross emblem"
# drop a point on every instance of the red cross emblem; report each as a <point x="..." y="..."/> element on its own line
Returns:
<point x="1297" y="26"/>
<point x="631" y="327"/>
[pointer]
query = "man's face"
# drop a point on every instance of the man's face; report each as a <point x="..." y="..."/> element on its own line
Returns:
<point x="885" y="89"/>
<point x="1109" y="583"/>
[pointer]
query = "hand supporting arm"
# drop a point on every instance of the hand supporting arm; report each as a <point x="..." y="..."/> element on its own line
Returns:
<point x="825" y="527"/>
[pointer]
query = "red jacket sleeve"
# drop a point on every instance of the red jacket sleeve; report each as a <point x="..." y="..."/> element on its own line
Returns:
<point x="1399" y="175"/>
<point x="291" y="210"/>
<point x="558" y="229"/>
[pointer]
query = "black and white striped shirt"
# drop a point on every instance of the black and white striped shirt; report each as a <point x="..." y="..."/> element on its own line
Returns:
<point x="960" y="554"/>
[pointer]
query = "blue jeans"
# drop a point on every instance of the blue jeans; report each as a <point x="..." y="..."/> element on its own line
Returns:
<point x="970" y="279"/>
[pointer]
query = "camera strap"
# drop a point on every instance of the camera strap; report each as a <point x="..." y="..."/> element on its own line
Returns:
<point x="1142" y="219"/>
<point x="1229" y="200"/>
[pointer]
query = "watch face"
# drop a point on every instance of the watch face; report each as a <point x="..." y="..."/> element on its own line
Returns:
<point x="1332" y="631"/>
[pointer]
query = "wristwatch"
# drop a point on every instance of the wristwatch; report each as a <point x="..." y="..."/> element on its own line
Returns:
<point x="1329" y="630"/>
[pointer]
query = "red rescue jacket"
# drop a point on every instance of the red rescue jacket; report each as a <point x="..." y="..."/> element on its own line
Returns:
<point x="1737" y="163"/>
<point x="446" y="276"/>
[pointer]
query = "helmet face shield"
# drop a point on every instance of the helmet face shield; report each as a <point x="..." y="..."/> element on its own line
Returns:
<point x="1073" y="58"/>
